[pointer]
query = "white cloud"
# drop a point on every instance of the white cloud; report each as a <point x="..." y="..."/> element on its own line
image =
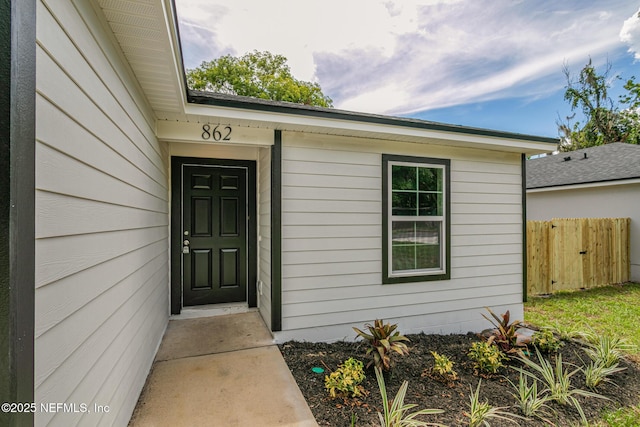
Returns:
<point x="472" y="52"/>
<point x="401" y="57"/>
<point x="378" y="99"/>
<point x="298" y="29"/>
<point x="630" y="34"/>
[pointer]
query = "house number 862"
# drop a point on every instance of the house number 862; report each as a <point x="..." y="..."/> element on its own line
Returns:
<point x="217" y="133"/>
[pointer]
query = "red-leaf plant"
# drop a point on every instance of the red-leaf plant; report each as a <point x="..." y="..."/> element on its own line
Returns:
<point x="382" y="342"/>
<point x="506" y="332"/>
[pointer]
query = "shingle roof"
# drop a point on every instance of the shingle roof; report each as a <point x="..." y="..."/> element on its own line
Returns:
<point x="610" y="162"/>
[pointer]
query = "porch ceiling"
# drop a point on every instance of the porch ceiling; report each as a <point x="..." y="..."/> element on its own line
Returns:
<point x="147" y="36"/>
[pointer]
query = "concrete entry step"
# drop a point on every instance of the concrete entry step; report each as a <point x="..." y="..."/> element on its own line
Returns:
<point x="212" y="335"/>
<point x="221" y="371"/>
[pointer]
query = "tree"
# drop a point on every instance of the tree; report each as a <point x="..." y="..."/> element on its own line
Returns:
<point x="256" y="74"/>
<point x="605" y="120"/>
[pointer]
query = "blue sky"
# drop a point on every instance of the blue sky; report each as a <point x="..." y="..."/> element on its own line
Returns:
<point x="493" y="64"/>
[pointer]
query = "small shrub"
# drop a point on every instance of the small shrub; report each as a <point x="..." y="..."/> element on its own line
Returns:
<point x="557" y="381"/>
<point x="481" y="412"/>
<point x="395" y="412"/>
<point x="546" y="341"/>
<point x="345" y="381"/>
<point x="531" y="402"/>
<point x="605" y="350"/>
<point x="506" y="333"/>
<point x="443" y="367"/>
<point x="487" y="357"/>
<point x="596" y="373"/>
<point x="382" y="342"/>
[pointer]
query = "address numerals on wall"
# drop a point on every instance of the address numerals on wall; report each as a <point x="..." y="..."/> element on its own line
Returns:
<point x="217" y="133"/>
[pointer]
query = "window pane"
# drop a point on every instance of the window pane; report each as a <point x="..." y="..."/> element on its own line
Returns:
<point x="403" y="178"/>
<point x="403" y="258"/>
<point x="404" y="204"/>
<point x="430" y="204"/>
<point x="428" y="232"/>
<point x="428" y="244"/>
<point x="415" y="245"/>
<point x="403" y="232"/>
<point x="403" y="245"/>
<point x="430" y="179"/>
<point x="427" y="256"/>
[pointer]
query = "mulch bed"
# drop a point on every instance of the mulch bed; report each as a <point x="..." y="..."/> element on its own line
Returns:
<point x="452" y="397"/>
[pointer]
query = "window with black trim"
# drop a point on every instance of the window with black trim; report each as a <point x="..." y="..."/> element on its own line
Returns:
<point x="416" y="200"/>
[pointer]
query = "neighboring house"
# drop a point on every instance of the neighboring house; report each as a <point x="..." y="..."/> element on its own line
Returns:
<point x="148" y="199"/>
<point x="595" y="182"/>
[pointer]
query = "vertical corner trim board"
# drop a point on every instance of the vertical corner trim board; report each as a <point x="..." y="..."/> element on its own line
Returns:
<point x="17" y="217"/>
<point x="276" y="232"/>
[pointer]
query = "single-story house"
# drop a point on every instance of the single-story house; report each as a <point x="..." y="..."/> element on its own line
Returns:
<point x="129" y="198"/>
<point x="595" y="182"/>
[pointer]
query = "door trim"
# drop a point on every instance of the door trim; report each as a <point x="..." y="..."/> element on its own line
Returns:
<point x="176" y="225"/>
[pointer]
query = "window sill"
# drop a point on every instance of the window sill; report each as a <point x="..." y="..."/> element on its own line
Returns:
<point x="411" y="278"/>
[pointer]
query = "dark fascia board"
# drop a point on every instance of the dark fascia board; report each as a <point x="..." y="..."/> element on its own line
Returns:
<point x="569" y="184"/>
<point x="248" y="103"/>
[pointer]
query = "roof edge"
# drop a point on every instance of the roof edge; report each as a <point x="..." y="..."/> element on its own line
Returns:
<point x="586" y="183"/>
<point x="243" y="102"/>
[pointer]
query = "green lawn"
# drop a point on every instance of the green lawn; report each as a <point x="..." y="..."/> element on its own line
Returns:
<point x="612" y="310"/>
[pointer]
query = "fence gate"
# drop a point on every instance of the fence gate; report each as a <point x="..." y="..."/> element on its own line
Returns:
<point x="572" y="253"/>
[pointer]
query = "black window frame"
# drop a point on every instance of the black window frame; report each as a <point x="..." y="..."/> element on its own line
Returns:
<point x="420" y="276"/>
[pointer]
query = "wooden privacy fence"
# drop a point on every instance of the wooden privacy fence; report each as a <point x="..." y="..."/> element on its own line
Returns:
<point x="575" y="253"/>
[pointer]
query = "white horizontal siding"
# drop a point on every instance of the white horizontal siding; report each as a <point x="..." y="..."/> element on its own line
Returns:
<point x="402" y="313"/>
<point x="336" y="290"/>
<point x="102" y="153"/>
<point x="310" y="283"/>
<point x="332" y="206"/>
<point x="394" y="301"/>
<point x="66" y="255"/>
<point x="332" y="239"/>
<point x="331" y="244"/>
<point x="328" y="256"/>
<point x="480" y="240"/>
<point x="68" y="215"/>
<point x="347" y="218"/>
<point x="87" y="321"/>
<point x="59" y="174"/>
<point x="321" y="193"/>
<point x="488" y="230"/>
<point x="55" y="305"/>
<point x="329" y="231"/>
<point x="497" y="200"/>
<point x="264" y="233"/>
<point x="102" y="221"/>
<point x="471" y="250"/>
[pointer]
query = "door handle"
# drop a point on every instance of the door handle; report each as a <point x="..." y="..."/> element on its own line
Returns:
<point x="186" y="243"/>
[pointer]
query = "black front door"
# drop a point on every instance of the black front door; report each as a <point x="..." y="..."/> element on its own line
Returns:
<point x="213" y="232"/>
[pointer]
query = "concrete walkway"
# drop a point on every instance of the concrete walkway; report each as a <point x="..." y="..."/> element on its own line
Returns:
<point x="220" y="371"/>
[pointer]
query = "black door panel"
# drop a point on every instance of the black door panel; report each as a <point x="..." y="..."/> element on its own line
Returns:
<point x="214" y="201"/>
